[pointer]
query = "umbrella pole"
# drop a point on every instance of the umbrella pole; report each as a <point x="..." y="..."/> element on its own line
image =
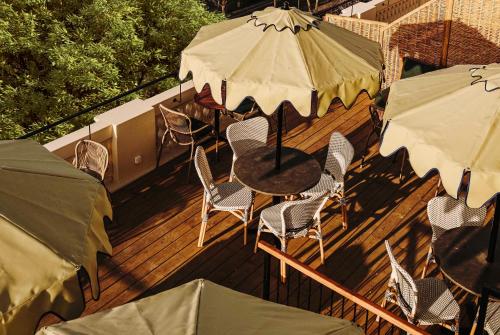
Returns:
<point x="494" y="232"/>
<point x="278" y="137"/>
<point x="217" y="133"/>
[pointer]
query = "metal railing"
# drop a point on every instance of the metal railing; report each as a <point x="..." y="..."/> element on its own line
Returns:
<point x="96" y="106"/>
<point x="309" y="289"/>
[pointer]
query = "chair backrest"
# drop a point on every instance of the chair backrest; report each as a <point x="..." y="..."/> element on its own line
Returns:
<point x="91" y="156"/>
<point x="203" y="169"/>
<point x="298" y="216"/>
<point x="177" y="124"/>
<point x="248" y="134"/>
<point x="413" y="67"/>
<point x="406" y="290"/>
<point x="376" y="115"/>
<point x="339" y="157"/>
<point x="447" y="213"/>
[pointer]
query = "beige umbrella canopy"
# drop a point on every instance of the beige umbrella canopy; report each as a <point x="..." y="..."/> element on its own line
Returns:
<point x="202" y="307"/>
<point x="51" y="225"/>
<point x="449" y="120"/>
<point x="278" y="55"/>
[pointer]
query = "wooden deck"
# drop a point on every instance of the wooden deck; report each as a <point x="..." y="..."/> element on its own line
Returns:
<point x="157" y="221"/>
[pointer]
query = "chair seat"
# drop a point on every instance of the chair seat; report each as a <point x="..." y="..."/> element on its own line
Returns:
<point x="326" y="183"/>
<point x="435" y="302"/>
<point x="91" y="172"/>
<point x="197" y="125"/>
<point x="380" y="99"/>
<point x="231" y="196"/>
<point x="492" y="322"/>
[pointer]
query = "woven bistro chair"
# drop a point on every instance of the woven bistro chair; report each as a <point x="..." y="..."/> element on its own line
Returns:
<point x="92" y="158"/>
<point x="376" y="110"/>
<point x="425" y="301"/>
<point x="182" y="129"/>
<point x="246" y="110"/>
<point x="338" y="159"/>
<point x="293" y="219"/>
<point x="228" y="197"/>
<point x="488" y="313"/>
<point x="446" y="213"/>
<point x="246" y="135"/>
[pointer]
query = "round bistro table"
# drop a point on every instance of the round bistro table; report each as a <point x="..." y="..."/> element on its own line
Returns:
<point x="256" y="170"/>
<point x="461" y="255"/>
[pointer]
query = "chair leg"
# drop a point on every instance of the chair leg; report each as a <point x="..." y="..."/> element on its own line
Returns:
<point x="203" y="227"/>
<point x="158" y="155"/>
<point x="402" y="167"/>
<point x="256" y="241"/>
<point x="438" y="186"/>
<point x="427" y="261"/>
<point x="282" y="263"/>
<point x="252" y="209"/>
<point x="320" y="240"/>
<point x="217" y="144"/>
<point x="191" y="156"/>
<point x="473" y="328"/>
<point x="203" y="205"/>
<point x="321" y="251"/>
<point x="245" y="226"/>
<point x="343" y="205"/>
<point x="383" y="304"/>
<point x="457" y="325"/>
<point x="366" y="148"/>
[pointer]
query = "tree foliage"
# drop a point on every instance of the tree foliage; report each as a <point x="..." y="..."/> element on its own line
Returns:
<point x="58" y="57"/>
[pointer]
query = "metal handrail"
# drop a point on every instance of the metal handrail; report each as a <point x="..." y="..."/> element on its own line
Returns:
<point x="94" y="107"/>
<point x="344" y="292"/>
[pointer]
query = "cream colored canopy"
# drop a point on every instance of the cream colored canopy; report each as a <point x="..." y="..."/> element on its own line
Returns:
<point x="51" y="225"/>
<point x="204" y="308"/>
<point x="449" y="120"/>
<point x="278" y="55"/>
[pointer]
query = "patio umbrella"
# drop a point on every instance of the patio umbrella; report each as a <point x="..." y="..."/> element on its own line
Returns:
<point x="51" y="225"/>
<point x="282" y="55"/>
<point x="202" y="307"/>
<point x="449" y="120"/>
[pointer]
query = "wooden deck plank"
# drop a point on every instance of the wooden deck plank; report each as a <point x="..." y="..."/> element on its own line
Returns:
<point x="158" y="217"/>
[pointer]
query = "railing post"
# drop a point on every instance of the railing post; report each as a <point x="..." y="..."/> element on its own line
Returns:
<point x="266" y="284"/>
<point x="447" y="32"/>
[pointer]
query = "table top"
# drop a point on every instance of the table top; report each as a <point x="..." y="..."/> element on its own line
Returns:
<point x="461" y="254"/>
<point x="205" y="99"/>
<point x="256" y="170"/>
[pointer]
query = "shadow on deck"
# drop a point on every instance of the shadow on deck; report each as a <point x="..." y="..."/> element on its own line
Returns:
<point x="157" y="221"/>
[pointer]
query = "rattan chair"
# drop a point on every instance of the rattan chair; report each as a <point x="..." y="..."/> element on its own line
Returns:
<point x="488" y="313"/>
<point x="425" y="301"/>
<point x="228" y="197"/>
<point x="246" y="110"/>
<point x="376" y="117"/>
<point x="447" y="213"/>
<point x="246" y="135"/>
<point x="338" y="159"/>
<point x="92" y="158"/>
<point x="182" y="130"/>
<point x="293" y="219"/>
